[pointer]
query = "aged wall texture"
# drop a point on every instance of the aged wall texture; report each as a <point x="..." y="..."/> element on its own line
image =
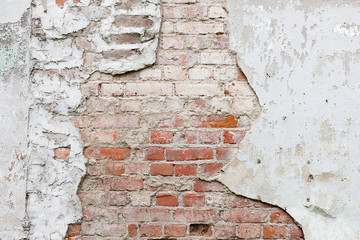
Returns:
<point x="302" y="60"/>
<point x="123" y="119"/>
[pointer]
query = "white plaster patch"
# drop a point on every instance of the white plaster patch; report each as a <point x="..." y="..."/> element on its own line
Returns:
<point x="12" y="10"/>
<point x="302" y="60"/>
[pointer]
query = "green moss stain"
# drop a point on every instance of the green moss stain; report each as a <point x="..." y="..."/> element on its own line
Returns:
<point x="8" y="58"/>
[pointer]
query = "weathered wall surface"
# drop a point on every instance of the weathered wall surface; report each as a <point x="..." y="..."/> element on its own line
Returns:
<point x="302" y="60"/>
<point x="14" y="98"/>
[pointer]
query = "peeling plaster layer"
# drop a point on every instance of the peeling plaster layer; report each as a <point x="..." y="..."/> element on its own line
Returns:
<point x="302" y="59"/>
<point x="14" y="92"/>
<point x="60" y="65"/>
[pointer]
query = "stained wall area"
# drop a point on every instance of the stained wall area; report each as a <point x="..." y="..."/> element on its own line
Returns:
<point x="302" y="60"/>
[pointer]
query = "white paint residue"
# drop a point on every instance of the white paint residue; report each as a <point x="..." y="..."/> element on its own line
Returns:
<point x="12" y="10"/>
<point x="302" y="60"/>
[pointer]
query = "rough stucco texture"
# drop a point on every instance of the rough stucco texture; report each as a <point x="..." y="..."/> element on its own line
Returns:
<point x="14" y="105"/>
<point x="69" y="41"/>
<point x="302" y="60"/>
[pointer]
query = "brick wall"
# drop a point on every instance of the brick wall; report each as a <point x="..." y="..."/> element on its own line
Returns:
<point x="154" y="139"/>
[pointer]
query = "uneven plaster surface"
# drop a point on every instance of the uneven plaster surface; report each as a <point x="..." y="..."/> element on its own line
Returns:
<point x="302" y="59"/>
<point x="59" y="36"/>
<point x="14" y="104"/>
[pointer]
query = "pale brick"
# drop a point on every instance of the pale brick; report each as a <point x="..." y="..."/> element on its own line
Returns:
<point x="199" y="73"/>
<point x="173" y="42"/>
<point x="112" y="89"/>
<point x="140" y="198"/>
<point x="149" y="89"/>
<point x="128" y="105"/>
<point x="216" y="57"/>
<point x="167" y="27"/>
<point x="175" y="73"/>
<point x="200" y="28"/>
<point x="90" y="89"/>
<point x="198" y="89"/>
<point x="217" y="12"/>
<point x="150" y="74"/>
<point x="240" y="88"/>
<point x="226" y="73"/>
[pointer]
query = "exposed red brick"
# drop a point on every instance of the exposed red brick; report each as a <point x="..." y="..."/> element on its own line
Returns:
<point x="161" y="137"/>
<point x="132" y="230"/>
<point x="246" y="215"/>
<point x="226" y="153"/>
<point x="62" y="153"/>
<point x="209" y="137"/>
<point x="274" y="232"/>
<point x="203" y="186"/>
<point x="280" y="217"/>
<point x="169" y="200"/>
<point x="164" y="169"/>
<point x="189" y="154"/>
<point x="155" y="153"/>
<point x="296" y="232"/>
<point x="74" y="230"/>
<point x="186" y="170"/>
<point x="150" y="230"/>
<point x="233" y="137"/>
<point x="175" y="230"/>
<point x="194" y="200"/>
<point x="211" y="169"/>
<point x="129" y="184"/>
<point x="249" y="231"/>
<point x="224" y="231"/>
<point x="60" y="2"/>
<point x="216" y="122"/>
<point x="107" y="153"/>
<point x="112" y="168"/>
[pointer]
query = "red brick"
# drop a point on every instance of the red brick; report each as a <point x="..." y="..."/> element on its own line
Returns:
<point x="233" y="137"/>
<point x="116" y="199"/>
<point x="117" y="121"/>
<point x="211" y="169"/>
<point x="161" y="137"/>
<point x="146" y="215"/>
<point x="224" y="231"/>
<point x="249" y="231"/>
<point x="274" y="232"/>
<point x="133" y="21"/>
<point x="60" y="2"/>
<point x="132" y="230"/>
<point x="150" y="230"/>
<point x="107" y="153"/>
<point x="216" y="122"/>
<point x="238" y="202"/>
<point x="129" y="184"/>
<point x="187" y="170"/>
<point x="137" y="168"/>
<point x="169" y="200"/>
<point x="209" y="137"/>
<point x="62" y="153"/>
<point x="203" y="186"/>
<point x="189" y="154"/>
<point x="194" y="200"/>
<point x="155" y="153"/>
<point x="280" y="217"/>
<point x="246" y="215"/>
<point x="226" y="153"/>
<point x="175" y="230"/>
<point x="116" y="169"/>
<point x="74" y="230"/>
<point x="296" y="233"/>
<point x="192" y="216"/>
<point x="164" y="169"/>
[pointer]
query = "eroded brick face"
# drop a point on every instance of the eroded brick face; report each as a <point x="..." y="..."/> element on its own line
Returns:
<point x="155" y="136"/>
